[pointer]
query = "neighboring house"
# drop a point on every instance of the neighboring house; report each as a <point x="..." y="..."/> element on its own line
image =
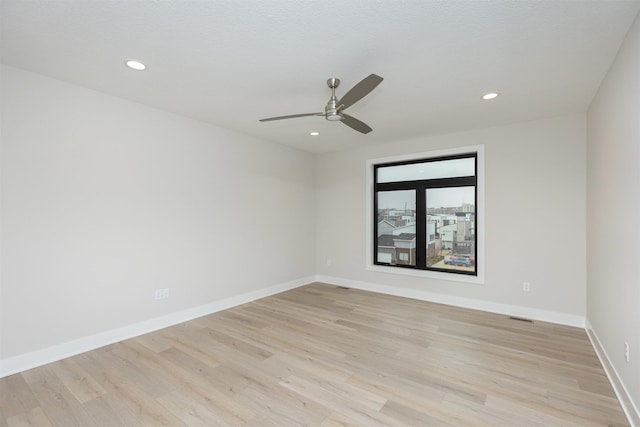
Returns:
<point x="386" y="248"/>
<point x="448" y="234"/>
<point x="432" y="231"/>
<point x="397" y="249"/>
<point x="405" y="244"/>
<point x="408" y="228"/>
<point x="466" y="247"/>
<point x="385" y="227"/>
<point x="434" y="244"/>
<point x="397" y="218"/>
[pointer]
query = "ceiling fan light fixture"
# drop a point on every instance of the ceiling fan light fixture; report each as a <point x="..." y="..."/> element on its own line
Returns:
<point x="334" y="117"/>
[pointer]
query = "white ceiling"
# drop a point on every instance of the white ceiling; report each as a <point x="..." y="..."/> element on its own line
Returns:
<point x="232" y="62"/>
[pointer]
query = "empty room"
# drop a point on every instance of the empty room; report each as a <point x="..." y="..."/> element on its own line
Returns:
<point x="319" y="213"/>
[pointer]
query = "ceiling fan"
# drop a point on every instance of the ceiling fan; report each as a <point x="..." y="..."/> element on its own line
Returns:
<point x="334" y="110"/>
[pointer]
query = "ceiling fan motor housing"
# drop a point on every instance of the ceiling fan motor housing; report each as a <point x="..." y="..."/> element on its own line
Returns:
<point x="331" y="110"/>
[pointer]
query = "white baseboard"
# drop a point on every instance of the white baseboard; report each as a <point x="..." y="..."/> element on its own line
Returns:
<point x="492" y="307"/>
<point x="54" y="353"/>
<point x="628" y="405"/>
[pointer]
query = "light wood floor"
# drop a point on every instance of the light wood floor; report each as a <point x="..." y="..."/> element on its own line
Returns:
<point x="321" y="355"/>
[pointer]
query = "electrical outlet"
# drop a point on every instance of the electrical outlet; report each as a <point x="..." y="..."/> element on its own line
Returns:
<point x="162" y="293"/>
<point x="526" y="286"/>
<point x="626" y="351"/>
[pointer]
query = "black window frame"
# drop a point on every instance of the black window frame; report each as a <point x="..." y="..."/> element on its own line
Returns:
<point x="420" y="187"/>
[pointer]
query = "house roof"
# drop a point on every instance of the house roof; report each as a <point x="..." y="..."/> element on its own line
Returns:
<point x="388" y="239"/>
<point x="405" y="236"/>
<point x="384" y="221"/>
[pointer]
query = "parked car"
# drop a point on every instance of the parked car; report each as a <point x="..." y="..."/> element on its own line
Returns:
<point x="458" y="260"/>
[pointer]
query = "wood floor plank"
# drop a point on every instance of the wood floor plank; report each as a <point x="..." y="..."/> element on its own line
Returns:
<point x="77" y="381"/>
<point x="338" y="420"/>
<point x="155" y="342"/>
<point x="277" y="406"/>
<point x="133" y="404"/>
<point x="174" y="366"/>
<point x="32" y="418"/>
<point x="191" y="412"/>
<point x="322" y="355"/>
<point x="16" y="397"/>
<point x="132" y="364"/>
<point x="102" y="413"/>
<point x="56" y="401"/>
<point x="410" y="416"/>
<point x="361" y="414"/>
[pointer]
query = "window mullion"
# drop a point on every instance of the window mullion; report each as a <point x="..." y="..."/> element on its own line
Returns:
<point x="421" y="227"/>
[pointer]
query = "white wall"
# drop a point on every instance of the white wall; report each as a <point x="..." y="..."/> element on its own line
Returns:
<point x="105" y="200"/>
<point x="613" y="219"/>
<point x="533" y="170"/>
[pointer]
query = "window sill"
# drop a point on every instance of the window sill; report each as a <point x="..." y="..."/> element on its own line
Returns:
<point x="477" y="280"/>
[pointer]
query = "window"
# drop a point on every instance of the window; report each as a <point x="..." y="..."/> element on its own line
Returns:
<point x="424" y="216"/>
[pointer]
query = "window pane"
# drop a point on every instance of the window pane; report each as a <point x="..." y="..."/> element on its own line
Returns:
<point x="396" y="238"/>
<point x="451" y="231"/>
<point x="427" y="170"/>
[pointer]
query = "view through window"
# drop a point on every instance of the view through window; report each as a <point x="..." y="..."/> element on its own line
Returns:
<point x="425" y="214"/>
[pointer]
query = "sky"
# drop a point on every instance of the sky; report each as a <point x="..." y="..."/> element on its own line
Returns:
<point x="436" y="198"/>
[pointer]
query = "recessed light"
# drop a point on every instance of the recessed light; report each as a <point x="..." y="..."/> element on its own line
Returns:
<point x="314" y="133"/>
<point x="135" y="65"/>
<point x="491" y="95"/>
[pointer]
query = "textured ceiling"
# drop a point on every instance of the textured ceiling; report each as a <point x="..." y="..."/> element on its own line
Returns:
<point x="232" y="62"/>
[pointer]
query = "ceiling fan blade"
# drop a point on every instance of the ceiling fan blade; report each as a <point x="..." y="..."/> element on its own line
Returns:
<point x="293" y="116"/>
<point x="355" y="124"/>
<point x="360" y="90"/>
